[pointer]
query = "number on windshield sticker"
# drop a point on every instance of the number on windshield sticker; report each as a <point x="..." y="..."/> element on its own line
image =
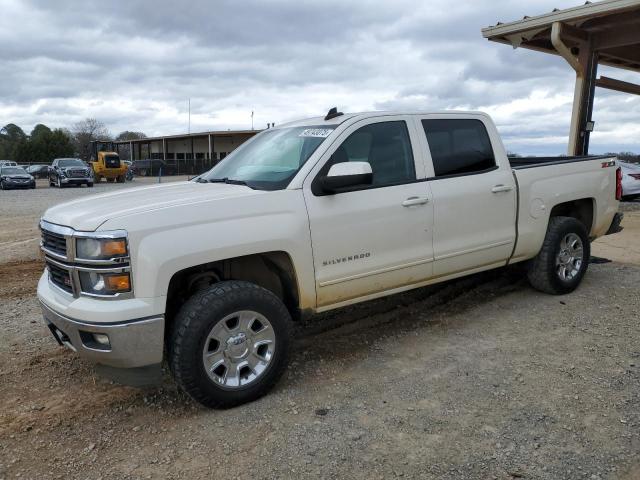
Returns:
<point x="316" y="132"/>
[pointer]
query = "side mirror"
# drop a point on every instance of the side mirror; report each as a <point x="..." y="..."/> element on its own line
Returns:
<point x="345" y="175"/>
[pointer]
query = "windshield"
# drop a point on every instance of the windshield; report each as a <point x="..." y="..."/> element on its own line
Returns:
<point x="70" y="162"/>
<point x="271" y="159"/>
<point x="12" y="171"/>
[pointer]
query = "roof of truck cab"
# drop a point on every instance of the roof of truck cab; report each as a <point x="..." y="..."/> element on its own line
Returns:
<point x="319" y="121"/>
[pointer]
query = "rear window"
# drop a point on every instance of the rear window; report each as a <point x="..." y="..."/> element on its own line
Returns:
<point x="112" y="161"/>
<point x="459" y="147"/>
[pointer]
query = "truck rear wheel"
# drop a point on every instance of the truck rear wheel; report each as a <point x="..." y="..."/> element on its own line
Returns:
<point x="121" y="179"/>
<point x="564" y="258"/>
<point x="230" y="344"/>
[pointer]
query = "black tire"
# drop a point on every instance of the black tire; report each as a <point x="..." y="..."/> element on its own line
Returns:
<point x="2" y="187"/>
<point x="543" y="271"/>
<point x="90" y="184"/>
<point x="196" y="319"/>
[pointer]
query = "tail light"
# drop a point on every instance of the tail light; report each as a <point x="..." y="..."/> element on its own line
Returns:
<point x="618" y="184"/>
<point x="635" y="175"/>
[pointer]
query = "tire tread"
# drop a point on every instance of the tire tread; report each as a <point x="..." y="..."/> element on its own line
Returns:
<point x="541" y="273"/>
<point x="193" y="312"/>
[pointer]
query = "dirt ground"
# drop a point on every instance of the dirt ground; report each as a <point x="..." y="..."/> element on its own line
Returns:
<point x="481" y="378"/>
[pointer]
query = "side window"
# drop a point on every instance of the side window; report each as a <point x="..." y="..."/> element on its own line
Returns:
<point x="459" y="146"/>
<point x="386" y="147"/>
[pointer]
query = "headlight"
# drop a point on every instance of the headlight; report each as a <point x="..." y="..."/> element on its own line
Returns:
<point x="98" y="283"/>
<point x="100" y="248"/>
<point x="62" y="174"/>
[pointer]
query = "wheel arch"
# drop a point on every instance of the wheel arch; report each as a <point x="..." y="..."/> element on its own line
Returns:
<point x="274" y="271"/>
<point x="582" y="210"/>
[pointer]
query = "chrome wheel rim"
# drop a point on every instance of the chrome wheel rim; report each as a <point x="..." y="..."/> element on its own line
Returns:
<point x="238" y="350"/>
<point x="570" y="257"/>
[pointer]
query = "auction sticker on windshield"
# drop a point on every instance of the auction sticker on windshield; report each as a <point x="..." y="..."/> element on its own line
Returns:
<point x="316" y="132"/>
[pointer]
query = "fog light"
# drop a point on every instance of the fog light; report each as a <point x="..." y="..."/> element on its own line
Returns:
<point x="95" y="341"/>
<point x="102" y="339"/>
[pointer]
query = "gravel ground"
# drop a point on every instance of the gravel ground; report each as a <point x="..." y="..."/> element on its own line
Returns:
<point x="479" y="378"/>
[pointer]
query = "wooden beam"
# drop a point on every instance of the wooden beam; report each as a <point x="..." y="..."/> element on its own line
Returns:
<point x="617" y="37"/>
<point x="618" y="85"/>
<point x="574" y="34"/>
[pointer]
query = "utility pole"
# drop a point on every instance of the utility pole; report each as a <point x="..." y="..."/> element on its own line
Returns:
<point x="251" y="119"/>
<point x="189" y="127"/>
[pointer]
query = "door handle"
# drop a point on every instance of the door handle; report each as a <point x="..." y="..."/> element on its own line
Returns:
<point x="412" y="201"/>
<point x="501" y="188"/>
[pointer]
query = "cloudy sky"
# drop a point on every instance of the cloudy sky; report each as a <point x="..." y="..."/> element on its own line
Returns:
<point x="133" y="65"/>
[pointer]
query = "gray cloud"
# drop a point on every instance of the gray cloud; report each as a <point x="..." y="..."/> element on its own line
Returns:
<point x="133" y="64"/>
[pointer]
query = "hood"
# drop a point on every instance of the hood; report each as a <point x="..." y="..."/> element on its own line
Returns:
<point x="16" y="175"/>
<point x="88" y="213"/>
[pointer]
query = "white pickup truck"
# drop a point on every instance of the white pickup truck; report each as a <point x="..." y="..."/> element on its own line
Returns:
<point x="310" y="216"/>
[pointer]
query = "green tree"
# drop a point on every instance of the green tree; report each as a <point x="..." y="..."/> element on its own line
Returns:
<point x="10" y="136"/>
<point x="85" y="132"/>
<point x="127" y="135"/>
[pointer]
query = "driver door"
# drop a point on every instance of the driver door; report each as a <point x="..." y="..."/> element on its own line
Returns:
<point x="379" y="237"/>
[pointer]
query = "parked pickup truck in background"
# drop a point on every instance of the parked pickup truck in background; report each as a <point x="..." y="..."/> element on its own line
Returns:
<point x="303" y="218"/>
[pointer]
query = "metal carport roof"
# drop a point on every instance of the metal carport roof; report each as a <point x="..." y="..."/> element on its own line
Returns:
<point x="600" y="33"/>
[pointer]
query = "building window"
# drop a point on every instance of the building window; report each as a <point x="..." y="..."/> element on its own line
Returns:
<point x="180" y="156"/>
<point x="199" y="155"/>
<point x="222" y="155"/>
<point x="170" y="155"/>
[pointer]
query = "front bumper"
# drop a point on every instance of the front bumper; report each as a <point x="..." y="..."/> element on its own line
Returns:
<point x="17" y="184"/>
<point x="76" y="180"/>
<point x="131" y="343"/>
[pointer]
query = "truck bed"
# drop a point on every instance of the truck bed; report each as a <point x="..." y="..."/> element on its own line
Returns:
<point x="518" y="163"/>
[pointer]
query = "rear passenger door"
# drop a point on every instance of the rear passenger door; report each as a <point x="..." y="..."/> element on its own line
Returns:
<point x="474" y="198"/>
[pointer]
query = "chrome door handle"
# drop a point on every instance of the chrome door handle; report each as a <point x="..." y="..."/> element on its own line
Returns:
<point x="501" y="188"/>
<point x="412" y="201"/>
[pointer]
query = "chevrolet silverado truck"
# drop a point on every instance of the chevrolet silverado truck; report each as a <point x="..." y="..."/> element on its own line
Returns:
<point x="208" y="275"/>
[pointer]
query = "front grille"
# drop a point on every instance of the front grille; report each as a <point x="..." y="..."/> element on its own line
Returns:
<point x="76" y="173"/>
<point x="60" y="277"/>
<point x="54" y="242"/>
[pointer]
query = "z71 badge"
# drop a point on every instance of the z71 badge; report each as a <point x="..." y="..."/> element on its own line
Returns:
<point x="350" y="258"/>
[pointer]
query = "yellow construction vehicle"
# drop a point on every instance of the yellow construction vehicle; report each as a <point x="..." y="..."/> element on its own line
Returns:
<point x="106" y="163"/>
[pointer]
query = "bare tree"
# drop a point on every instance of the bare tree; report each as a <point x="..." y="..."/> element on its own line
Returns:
<point x="85" y="132"/>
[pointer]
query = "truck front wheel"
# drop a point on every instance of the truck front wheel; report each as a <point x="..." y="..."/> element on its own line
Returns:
<point x="230" y="344"/>
<point x="563" y="260"/>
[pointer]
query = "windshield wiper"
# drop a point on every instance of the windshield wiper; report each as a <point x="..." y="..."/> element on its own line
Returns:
<point x="230" y="181"/>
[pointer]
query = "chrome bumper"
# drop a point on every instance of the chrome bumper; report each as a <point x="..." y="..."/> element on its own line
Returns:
<point x="132" y="343"/>
<point x="76" y="180"/>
